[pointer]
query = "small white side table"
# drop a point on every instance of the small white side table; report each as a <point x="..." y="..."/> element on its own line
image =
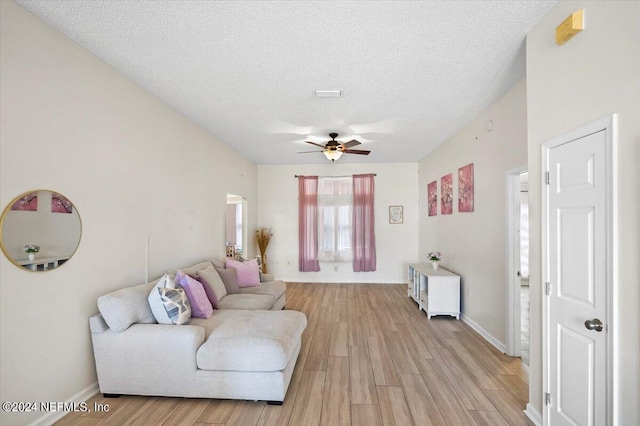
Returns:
<point x="437" y="291"/>
<point x="44" y="262"/>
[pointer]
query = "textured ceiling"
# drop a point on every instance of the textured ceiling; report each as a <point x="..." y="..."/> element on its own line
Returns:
<point x="413" y="73"/>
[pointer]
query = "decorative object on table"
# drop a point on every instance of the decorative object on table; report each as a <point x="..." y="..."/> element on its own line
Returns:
<point x="27" y="202"/>
<point x="60" y="204"/>
<point x="432" y="198"/>
<point x="446" y="194"/>
<point x="465" y="188"/>
<point x="396" y="214"/>
<point x="434" y="258"/>
<point x="263" y="237"/>
<point x="31" y="250"/>
<point x="231" y="251"/>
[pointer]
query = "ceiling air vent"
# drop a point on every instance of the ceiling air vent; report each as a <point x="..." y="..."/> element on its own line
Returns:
<point x="327" y="93"/>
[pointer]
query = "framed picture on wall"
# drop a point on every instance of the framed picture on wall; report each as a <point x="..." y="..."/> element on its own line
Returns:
<point x="396" y="214"/>
<point x="446" y="194"/>
<point x="432" y="198"/>
<point x="465" y="188"/>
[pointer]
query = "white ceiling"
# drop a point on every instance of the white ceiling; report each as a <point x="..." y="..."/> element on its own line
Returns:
<point x="413" y="73"/>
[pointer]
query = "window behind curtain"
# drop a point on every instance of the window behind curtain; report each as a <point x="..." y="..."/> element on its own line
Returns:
<point x="335" y="211"/>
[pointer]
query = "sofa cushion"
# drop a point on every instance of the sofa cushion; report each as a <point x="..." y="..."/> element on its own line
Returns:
<point x="211" y="277"/>
<point x="192" y="270"/>
<point x="230" y="279"/>
<point x="249" y="340"/>
<point x="200" y="304"/>
<point x="246" y="301"/>
<point x="220" y="263"/>
<point x="248" y="273"/>
<point x="272" y="288"/>
<point x="127" y="306"/>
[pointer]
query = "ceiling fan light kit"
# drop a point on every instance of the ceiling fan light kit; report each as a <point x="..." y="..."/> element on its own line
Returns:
<point x="333" y="149"/>
<point x="332" y="155"/>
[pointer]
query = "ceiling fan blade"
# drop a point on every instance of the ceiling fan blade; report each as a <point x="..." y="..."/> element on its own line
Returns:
<point x="356" y="151"/>
<point x="316" y="144"/>
<point x="307" y="152"/>
<point x="351" y="143"/>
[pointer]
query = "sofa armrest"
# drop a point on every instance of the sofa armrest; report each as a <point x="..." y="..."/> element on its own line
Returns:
<point x="148" y="359"/>
<point x="266" y="278"/>
<point x="97" y="324"/>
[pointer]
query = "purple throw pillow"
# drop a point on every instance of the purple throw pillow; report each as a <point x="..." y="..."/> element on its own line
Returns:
<point x="211" y="295"/>
<point x="200" y="305"/>
<point x="248" y="272"/>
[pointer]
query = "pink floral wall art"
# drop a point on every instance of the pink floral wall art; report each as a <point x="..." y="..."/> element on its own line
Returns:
<point x="432" y="198"/>
<point x="465" y="188"/>
<point x="28" y="203"/>
<point x="60" y="204"/>
<point x="446" y="194"/>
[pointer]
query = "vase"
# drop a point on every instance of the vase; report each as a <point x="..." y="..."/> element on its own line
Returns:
<point x="32" y="256"/>
<point x="263" y="262"/>
<point x="434" y="264"/>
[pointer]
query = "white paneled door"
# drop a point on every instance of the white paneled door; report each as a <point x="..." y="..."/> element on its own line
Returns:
<point x="577" y="219"/>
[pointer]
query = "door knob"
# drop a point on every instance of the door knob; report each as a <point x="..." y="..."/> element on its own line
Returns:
<point x="594" y="324"/>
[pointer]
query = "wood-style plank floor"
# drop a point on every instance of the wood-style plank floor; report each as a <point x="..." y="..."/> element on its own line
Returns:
<point x="368" y="357"/>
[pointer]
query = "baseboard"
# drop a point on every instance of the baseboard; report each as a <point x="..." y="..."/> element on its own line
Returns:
<point x="82" y="396"/>
<point x="533" y="415"/>
<point x="484" y="333"/>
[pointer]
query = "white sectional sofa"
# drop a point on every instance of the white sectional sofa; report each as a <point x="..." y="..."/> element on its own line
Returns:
<point x="236" y="354"/>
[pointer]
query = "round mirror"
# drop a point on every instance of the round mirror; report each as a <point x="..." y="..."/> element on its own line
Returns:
<point x="40" y="230"/>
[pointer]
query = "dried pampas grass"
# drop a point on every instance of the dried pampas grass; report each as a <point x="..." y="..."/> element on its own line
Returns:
<point x="263" y="237"/>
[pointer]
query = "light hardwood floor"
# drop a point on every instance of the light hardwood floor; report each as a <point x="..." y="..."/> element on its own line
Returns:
<point x="368" y="357"/>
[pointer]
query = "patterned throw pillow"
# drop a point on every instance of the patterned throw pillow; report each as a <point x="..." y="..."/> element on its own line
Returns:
<point x="169" y="305"/>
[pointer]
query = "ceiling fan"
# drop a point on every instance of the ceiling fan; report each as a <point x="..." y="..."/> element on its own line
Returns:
<point x="333" y="149"/>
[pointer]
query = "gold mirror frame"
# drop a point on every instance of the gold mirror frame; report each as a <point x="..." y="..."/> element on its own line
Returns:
<point x="50" y="262"/>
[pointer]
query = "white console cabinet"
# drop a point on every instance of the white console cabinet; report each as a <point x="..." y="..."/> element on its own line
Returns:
<point x="437" y="291"/>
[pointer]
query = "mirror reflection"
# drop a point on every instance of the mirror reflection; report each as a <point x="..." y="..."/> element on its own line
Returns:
<point x="236" y="233"/>
<point x="40" y="230"/>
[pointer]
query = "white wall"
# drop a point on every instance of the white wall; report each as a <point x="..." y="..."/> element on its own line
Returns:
<point x="131" y="165"/>
<point x="594" y="75"/>
<point x="396" y="245"/>
<point x="473" y="244"/>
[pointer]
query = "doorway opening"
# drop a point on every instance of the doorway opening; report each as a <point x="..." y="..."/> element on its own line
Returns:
<point x="523" y="237"/>
<point x="518" y="264"/>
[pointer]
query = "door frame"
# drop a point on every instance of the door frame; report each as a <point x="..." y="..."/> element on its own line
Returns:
<point x="609" y="126"/>
<point x="513" y="283"/>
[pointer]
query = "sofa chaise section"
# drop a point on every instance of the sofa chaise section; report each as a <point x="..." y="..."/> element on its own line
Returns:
<point x="247" y="353"/>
